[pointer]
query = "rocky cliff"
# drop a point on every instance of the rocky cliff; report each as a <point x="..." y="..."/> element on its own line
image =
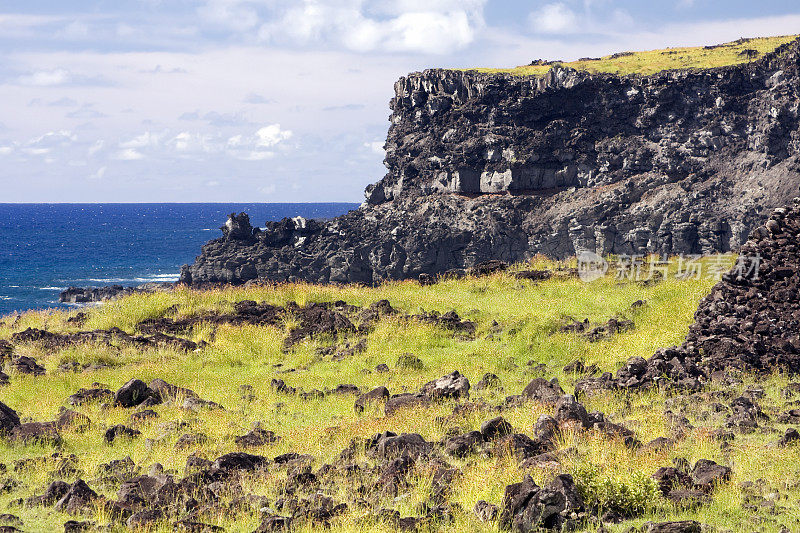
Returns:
<point x="492" y="166"/>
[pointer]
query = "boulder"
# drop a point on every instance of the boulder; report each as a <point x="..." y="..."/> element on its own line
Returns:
<point x="41" y="432"/>
<point x="375" y="396"/>
<point x="27" y="365"/>
<point x="543" y="391"/>
<point x="486" y="512"/>
<point x="77" y="499"/>
<point x="496" y="428"/>
<point x="706" y="473"/>
<point x="683" y="526"/>
<point x="133" y="393"/>
<point x="410" y="444"/>
<point x="119" y="430"/>
<point x="569" y="412"/>
<point x="462" y="445"/>
<point x="451" y="386"/>
<point x="404" y="401"/>
<point x="8" y="419"/>
<point x="528" y="507"/>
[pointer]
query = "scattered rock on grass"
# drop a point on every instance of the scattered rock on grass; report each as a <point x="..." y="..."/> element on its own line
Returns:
<point x="543" y="391"/>
<point x="8" y="419"/>
<point x="376" y="395"/>
<point x="117" y="431"/>
<point x="27" y="365"/>
<point x="133" y="393"/>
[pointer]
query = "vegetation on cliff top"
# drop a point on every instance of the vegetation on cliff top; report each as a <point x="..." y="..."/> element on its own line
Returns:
<point x="653" y="61"/>
<point x="518" y="337"/>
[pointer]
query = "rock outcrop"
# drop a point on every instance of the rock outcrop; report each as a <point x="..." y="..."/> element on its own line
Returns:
<point x="749" y="322"/>
<point x="493" y="166"/>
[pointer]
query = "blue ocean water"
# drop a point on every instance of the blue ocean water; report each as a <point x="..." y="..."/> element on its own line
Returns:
<point x="45" y="248"/>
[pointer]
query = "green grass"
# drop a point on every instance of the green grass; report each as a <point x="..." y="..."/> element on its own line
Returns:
<point x="653" y="61"/>
<point x="528" y="315"/>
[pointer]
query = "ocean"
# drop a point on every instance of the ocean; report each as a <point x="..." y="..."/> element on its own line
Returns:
<point x="45" y="248"/>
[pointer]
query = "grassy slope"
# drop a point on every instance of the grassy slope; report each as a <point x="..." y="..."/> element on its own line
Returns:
<point x="528" y="314"/>
<point x="653" y="61"/>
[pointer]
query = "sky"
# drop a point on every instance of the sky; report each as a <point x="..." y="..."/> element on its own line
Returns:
<point x="276" y="100"/>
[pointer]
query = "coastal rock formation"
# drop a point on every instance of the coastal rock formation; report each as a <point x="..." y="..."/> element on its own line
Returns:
<point x="493" y="166"/>
<point x="749" y="322"/>
<point x="79" y="295"/>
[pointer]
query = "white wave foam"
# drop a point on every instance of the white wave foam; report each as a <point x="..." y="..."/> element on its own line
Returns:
<point x="159" y="278"/>
<point x="142" y="279"/>
<point x="6" y="298"/>
<point x="52" y="288"/>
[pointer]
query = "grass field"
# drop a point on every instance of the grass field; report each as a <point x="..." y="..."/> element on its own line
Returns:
<point x="517" y="339"/>
<point x="653" y="61"/>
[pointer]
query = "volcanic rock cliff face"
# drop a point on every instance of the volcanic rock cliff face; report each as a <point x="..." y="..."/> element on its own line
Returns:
<point x="492" y="166"/>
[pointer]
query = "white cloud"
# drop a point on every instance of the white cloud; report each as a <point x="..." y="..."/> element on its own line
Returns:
<point x="271" y="135"/>
<point x="129" y="154"/>
<point x="376" y="147"/>
<point x="53" y="139"/>
<point x="231" y="14"/>
<point x="142" y="141"/>
<point x="99" y="174"/>
<point x="554" y="18"/>
<point x="96" y="147"/>
<point x="5" y="150"/>
<point x="430" y="32"/>
<point x="436" y="27"/>
<point x="45" y="78"/>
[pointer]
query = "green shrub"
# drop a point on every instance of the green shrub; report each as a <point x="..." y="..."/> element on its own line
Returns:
<point x="627" y="494"/>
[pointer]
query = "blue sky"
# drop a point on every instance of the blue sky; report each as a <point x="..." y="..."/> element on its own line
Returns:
<point x="275" y="100"/>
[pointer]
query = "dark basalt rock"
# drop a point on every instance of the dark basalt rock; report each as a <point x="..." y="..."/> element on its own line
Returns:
<point x="77" y="499"/>
<point x="528" y="507"/>
<point x="496" y="428"/>
<point x="81" y="295"/>
<point x="27" y="365"/>
<point x="256" y="437"/>
<point x="749" y="322"/>
<point x="119" y="430"/>
<point x="376" y="395"/>
<point x="95" y="394"/>
<point x="683" y="526"/>
<point x="133" y="393"/>
<point x="390" y="446"/>
<point x="541" y="390"/>
<point x="69" y="419"/>
<point x="486" y="167"/>
<point x="451" y="386"/>
<point x="8" y="419"/>
<point x="41" y="432"/>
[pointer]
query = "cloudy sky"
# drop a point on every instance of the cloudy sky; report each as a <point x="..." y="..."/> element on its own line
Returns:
<point x="276" y="100"/>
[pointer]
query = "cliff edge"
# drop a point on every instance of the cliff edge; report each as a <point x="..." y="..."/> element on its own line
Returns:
<point x="494" y="166"/>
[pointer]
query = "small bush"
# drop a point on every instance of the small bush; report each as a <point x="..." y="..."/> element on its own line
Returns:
<point x="627" y="494"/>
